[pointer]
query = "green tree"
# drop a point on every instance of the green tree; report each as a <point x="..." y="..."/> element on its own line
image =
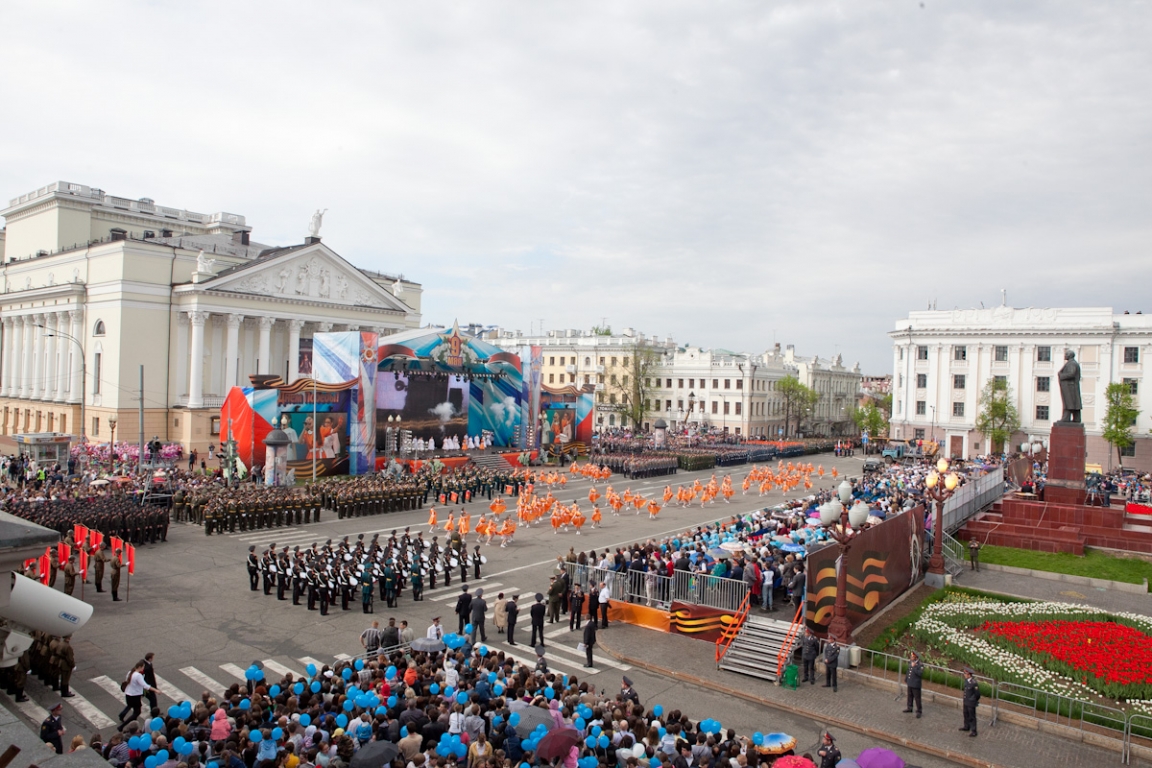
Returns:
<point x="633" y="390"/>
<point x="871" y="419"/>
<point x="799" y="400"/>
<point x="1119" y="417"/>
<point x="998" y="417"/>
<point x="601" y="330"/>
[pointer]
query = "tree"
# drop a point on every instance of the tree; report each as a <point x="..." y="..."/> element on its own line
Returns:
<point x="601" y="330"/>
<point x="634" y="389"/>
<point x="1119" y="417"/>
<point x="870" y="419"/>
<point x="798" y="400"/>
<point x="998" y="417"/>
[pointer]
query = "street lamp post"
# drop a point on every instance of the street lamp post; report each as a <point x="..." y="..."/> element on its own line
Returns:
<point x="836" y="518"/>
<point x="112" y="447"/>
<point x="939" y="492"/>
<point x="933" y="409"/>
<point x="83" y="375"/>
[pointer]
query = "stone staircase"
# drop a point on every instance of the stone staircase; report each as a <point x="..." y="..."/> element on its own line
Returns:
<point x="757" y="646"/>
<point x="492" y="461"/>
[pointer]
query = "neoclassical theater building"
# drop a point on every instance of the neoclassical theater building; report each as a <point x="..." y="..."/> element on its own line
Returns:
<point x="97" y="286"/>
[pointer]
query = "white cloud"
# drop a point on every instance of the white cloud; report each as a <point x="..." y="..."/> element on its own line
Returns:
<point x="713" y="172"/>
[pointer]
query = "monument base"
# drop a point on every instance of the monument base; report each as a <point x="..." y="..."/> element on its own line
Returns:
<point x="1058" y="494"/>
<point x="1066" y="455"/>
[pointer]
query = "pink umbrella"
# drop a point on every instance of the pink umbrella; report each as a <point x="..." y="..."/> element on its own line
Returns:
<point x="793" y="761"/>
<point x="878" y="757"/>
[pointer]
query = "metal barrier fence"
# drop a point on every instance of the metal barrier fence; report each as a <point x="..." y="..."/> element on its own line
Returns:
<point x="1022" y="701"/>
<point x="660" y="590"/>
<point x="972" y="497"/>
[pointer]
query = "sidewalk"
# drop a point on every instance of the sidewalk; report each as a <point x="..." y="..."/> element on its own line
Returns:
<point x="1046" y="589"/>
<point x="857" y="707"/>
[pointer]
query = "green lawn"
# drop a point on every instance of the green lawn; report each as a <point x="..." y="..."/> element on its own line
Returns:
<point x="1094" y="564"/>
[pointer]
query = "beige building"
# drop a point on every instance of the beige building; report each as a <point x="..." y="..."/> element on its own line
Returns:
<point x="96" y="286"/>
<point x="837" y="385"/>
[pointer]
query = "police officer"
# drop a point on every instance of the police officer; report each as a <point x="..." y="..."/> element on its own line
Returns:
<point x="831" y="663"/>
<point x="810" y="651"/>
<point x="829" y="755"/>
<point x="971" y="701"/>
<point x="914" y="680"/>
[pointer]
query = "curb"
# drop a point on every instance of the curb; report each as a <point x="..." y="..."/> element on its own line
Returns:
<point x="1086" y="581"/>
<point x="847" y="725"/>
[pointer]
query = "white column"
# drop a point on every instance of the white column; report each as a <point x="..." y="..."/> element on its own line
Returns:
<point x="6" y="381"/>
<point x="294" y="327"/>
<point x="264" y="352"/>
<point x="63" y="348"/>
<point x="26" y="361"/>
<point x="232" y="351"/>
<point x="36" y="380"/>
<point x="76" y="392"/>
<point x="50" y="339"/>
<point x="196" y="368"/>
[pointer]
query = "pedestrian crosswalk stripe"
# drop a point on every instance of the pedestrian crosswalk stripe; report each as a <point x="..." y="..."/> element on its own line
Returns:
<point x="530" y="660"/>
<point x="200" y="678"/>
<point x="280" y="669"/>
<point x="89" y="712"/>
<point x="306" y="660"/>
<point x="343" y="657"/>
<point x="557" y="632"/>
<point x="109" y="685"/>
<point x="31" y="709"/>
<point x="458" y="591"/>
<point x="172" y="692"/>
<point x="265" y="533"/>
<point x="233" y="670"/>
<point x="580" y="654"/>
<point x="481" y="582"/>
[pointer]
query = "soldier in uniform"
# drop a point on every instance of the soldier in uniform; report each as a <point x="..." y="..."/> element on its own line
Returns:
<point x="70" y="575"/>
<point x="101" y="558"/>
<point x="254" y="569"/>
<point x="65" y="663"/>
<point x="971" y="701"/>
<point x="53" y="566"/>
<point x="810" y="651"/>
<point x="116" y="566"/>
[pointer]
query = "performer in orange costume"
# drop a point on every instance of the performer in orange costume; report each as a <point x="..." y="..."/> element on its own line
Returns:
<point x="432" y="520"/>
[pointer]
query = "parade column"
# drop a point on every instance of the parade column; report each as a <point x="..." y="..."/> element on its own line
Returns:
<point x="231" y="351"/>
<point x="196" y="368"/>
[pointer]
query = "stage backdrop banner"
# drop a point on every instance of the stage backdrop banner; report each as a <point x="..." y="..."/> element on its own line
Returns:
<point x="884" y="561"/>
<point x="698" y="621"/>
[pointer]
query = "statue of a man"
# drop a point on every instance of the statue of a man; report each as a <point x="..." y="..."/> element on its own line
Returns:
<point x="317" y="220"/>
<point x="1070" y="387"/>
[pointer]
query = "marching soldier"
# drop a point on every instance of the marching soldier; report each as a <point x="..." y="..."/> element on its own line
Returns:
<point x="254" y="569"/>
<point x="116" y="566"/>
<point x="70" y="575"/>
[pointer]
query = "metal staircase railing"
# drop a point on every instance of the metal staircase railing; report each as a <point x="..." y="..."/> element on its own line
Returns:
<point x="790" y="640"/>
<point x="729" y="633"/>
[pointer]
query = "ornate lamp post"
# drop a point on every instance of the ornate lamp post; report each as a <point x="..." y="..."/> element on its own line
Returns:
<point x="939" y="493"/>
<point x="836" y="519"/>
<point x="112" y="447"/>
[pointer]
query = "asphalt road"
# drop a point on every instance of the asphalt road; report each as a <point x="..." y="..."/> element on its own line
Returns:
<point x="190" y="603"/>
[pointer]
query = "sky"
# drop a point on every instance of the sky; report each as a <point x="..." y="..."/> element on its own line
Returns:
<point x="728" y="174"/>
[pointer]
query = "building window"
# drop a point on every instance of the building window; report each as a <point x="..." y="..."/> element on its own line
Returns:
<point x="587" y="379"/>
<point x="1000" y="380"/>
<point x="1041" y="413"/>
<point x="1000" y="354"/>
<point x="1133" y="385"/>
<point x="921" y="408"/>
<point x="571" y="378"/>
<point x="551" y="378"/>
<point x="1043" y="383"/>
<point x="612" y="398"/>
<point x="918" y="434"/>
<point x="726" y="406"/>
<point x="921" y="380"/>
<point x="96" y="358"/>
<point x="587" y="361"/>
<point x="739" y="383"/>
<point x="1128" y="450"/>
<point x="613" y="379"/>
<point x="727" y="383"/>
<point x="624" y="380"/>
<point x="599" y="378"/>
<point x="959" y="353"/>
<point x="715" y="407"/>
<point x="680" y="405"/>
<point x="899" y="406"/>
<point x="613" y="361"/>
<point x="921" y="353"/>
<point x="715" y="383"/>
<point x="625" y="362"/>
<point x="96" y="425"/>
<point x="901" y="353"/>
<point x="552" y="360"/>
<point x="958" y="381"/>
<point x="667" y="383"/>
<point x="958" y="409"/>
<point x="738" y="408"/>
<point x="691" y="383"/>
<point x="1131" y="354"/>
<point x="98" y="329"/>
<point x="668" y="405"/>
<point x="601" y="361"/>
<point x="703" y="383"/>
<point x="679" y="383"/>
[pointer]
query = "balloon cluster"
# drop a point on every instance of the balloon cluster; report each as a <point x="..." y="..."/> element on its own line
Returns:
<point x="710" y="726"/>
<point x="181" y="711"/>
<point x="254" y="673"/>
<point x="450" y="745"/>
<point x="455" y="641"/>
<point x="533" y="739"/>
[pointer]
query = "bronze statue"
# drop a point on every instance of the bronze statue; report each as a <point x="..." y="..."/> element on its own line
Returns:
<point x="1070" y="387"/>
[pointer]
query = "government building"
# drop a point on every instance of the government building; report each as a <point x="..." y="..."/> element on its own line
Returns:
<point x="942" y="360"/>
<point x="97" y="287"/>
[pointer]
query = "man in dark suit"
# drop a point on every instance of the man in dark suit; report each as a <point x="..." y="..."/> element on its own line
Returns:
<point x="915" y="683"/>
<point x="478" y="610"/>
<point x="589" y="641"/>
<point x="538" y="611"/>
<point x="463" y="608"/>
<point x="512" y="609"/>
<point x="150" y="678"/>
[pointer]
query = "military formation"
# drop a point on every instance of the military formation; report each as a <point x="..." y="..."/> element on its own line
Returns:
<point x="636" y="466"/>
<point x="49" y="658"/>
<point x="469" y="483"/>
<point x="114" y="514"/>
<point x="348" y="572"/>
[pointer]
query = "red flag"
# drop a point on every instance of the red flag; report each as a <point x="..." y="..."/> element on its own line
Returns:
<point x="45" y="564"/>
<point x="28" y="563"/>
<point x="131" y="550"/>
<point x="63" y="552"/>
<point x="83" y="563"/>
<point x="79" y="534"/>
<point x="95" y="538"/>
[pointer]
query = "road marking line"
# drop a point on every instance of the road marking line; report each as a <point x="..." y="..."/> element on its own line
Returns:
<point x="200" y="678"/>
<point x="450" y="595"/>
<point x="580" y="654"/>
<point x="109" y="685"/>
<point x="306" y="660"/>
<point x="280" y="669"/>
<point x="31" y="709"/>
<point x="343" y="657"/>
<point x="90" y="712"/>
<point x="234" y="670"/>
<point x="172" y="692"/>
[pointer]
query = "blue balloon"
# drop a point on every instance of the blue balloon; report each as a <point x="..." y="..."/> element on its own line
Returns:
<point x="468" y="629"/>
<point x="403" y="731"/>
<point x="134" y="743"/>
<point x="654" y="763"/>
<point x="390" y="673"/>
<point x="460" y="750"/>
<point x="602" y="741"/>
<point x="757" y="738"/>
<point x="185" y="711"/>
<point x="597" y="730"/>
<point x="392" y="700"/>
<point x="163" y="755"/>
<point x="381" y="711"/>
<point x="663" y="732"/>
<point x="448" y="691"/>
<point x="346" y="673"/>
<point x="311" y="670"/>
<point x="580" y="724"/>
<point x="461" y="698"/>
<point x="497" y="719"/>
<point x="174" y="711"/>
<point x="590" y="742"/>
<point x="514" y="719"/>
<point x="352" y="691"/>
<point x="156" y="723"/>
<point x="498" y="689"/>
<point x="150" y="761"/>
<point x="491" y="677"/>
<point x="146" y="741"/>
<point x="186" y="749"/>
<point x="315" y="687"/>
<point x="305" y="720"/>
<point x="658" y="710"/>
<point x="359" y="664"/>
<point x="434" y="689"/>
<point x="245" y="703"/>
<point x="274" y="691"/>
<point x="342" y="721"/>
<point x="178" y="743"/>
<point x="298" y="688"/>
<point x="549" y="693"/>
<point x="255" y="736"/>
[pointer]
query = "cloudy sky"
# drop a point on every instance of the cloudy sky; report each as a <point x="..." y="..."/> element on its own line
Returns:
<point x="724" y="173"/>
